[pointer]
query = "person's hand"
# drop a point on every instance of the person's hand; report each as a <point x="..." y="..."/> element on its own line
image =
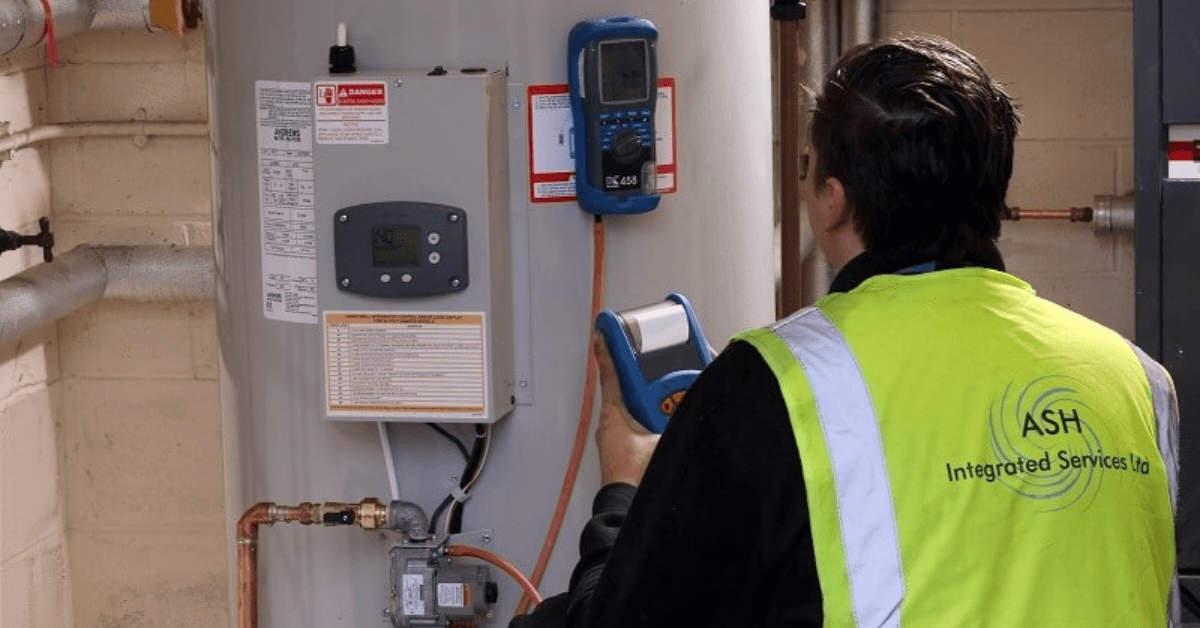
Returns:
<point x="624" y="445"/>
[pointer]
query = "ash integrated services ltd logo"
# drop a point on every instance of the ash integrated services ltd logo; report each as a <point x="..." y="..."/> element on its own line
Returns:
<point x="1047" y="446"/>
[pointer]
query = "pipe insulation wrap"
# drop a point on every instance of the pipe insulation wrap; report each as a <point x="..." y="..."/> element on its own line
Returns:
<point x="50" y="291"/>
<point x="46" y="293"/>
<point x="22" y="24"/>
<point x="123" y="15"/>
<point x="158" y="273"/>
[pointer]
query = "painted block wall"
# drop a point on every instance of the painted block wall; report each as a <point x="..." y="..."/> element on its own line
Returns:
<point x="112" y="507"/>
<point x="34" y="588"/>
<point x="1069" y="64"/>
<point x="109" y="421"/>
<point x="140" y="421"/>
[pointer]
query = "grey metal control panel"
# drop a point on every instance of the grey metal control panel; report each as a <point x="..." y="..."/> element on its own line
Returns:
<point x="401" y="249"/>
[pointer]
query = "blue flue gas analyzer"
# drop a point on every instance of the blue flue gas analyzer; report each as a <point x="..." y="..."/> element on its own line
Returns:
<point x="659" y="351"/>
<point x="612" y="71"/>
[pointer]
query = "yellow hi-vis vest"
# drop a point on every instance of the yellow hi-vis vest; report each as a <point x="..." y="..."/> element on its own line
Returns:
<point x="976" y="456"/>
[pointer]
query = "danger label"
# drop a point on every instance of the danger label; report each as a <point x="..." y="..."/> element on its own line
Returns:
<point x="352" y="95"/>
<point x="351" y="113"/>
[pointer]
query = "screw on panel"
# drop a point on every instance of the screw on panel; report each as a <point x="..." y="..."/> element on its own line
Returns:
<point x="453" y="217"/>
<point x="524" y="383"/>
<point x="487" y="538"/>
<point x="342" y="218"/>
<point x="516" y="104"/>
<point x="397" y="83"/>
<point x="455" y="282"/>
<point x="345" y="282"/>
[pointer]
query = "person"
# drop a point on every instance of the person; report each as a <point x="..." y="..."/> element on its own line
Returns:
<point x="930" y="445"/>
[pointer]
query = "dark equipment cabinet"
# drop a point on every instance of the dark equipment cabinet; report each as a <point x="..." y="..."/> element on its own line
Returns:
<point x="1167" y="92"/>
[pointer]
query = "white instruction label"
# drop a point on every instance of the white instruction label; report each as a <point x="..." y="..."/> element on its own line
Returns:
<point x="351" y="112"/>
<point x="452" y="594"/>
<point x="413" y="602"/>
<point x="285" y="184"/>
<point x="398" y="365"/>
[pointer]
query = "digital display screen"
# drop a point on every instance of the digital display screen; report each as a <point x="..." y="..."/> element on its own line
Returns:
<point x="624" y="72"/>
<point x="395" y="245"/>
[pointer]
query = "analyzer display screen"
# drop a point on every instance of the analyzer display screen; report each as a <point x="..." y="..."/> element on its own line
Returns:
<point x="395" y="245"/>
<point x="624" y="71"/>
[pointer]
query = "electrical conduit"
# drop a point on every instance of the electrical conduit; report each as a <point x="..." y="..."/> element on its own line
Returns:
<point x="33" y="135"/>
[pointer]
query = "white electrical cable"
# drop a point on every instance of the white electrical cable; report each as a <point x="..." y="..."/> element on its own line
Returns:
<point x="388" y="461"/>
<point x="461" y="495"/>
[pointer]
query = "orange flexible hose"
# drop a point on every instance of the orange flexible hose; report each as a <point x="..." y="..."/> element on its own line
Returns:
<point x="585" y="423"/>
<point x="506" y="566"/>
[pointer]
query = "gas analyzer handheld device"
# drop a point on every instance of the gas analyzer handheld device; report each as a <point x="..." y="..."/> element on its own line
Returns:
<point x="659" y="351"/>
<point x="612" y="72"/>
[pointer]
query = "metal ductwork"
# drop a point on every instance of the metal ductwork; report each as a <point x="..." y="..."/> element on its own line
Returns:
<point x="23" y="22"/>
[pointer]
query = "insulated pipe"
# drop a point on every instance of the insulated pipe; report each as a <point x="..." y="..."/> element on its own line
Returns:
<point x="23" y="22"/>
<point x="84" y="275"/>
<point x="33" y="135"/>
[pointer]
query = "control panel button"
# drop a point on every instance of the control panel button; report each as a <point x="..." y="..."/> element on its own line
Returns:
<point x="434" y="237"/>
<point x="435" y="257"/>
<point x="406" y="278"/>
<point x="385" y="278"/>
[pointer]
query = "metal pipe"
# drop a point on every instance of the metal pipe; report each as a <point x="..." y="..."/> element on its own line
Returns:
<point x="1073" y="214"/>
<point x="1114" y="214"/>
<point x="47" y="292"/>
<point x="820" y="39"/>
<point x="23" y="22"/>
<point x="33" y="135"/>
<point x="1109" y="214"/>
<point x="860" y="22"/>
<point x="369" y="514"/>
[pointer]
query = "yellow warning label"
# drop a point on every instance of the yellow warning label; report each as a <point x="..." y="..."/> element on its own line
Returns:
<point x="406" y="365"/>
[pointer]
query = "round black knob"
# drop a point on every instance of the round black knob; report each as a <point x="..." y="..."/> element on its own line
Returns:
<point x="627" y="147"/>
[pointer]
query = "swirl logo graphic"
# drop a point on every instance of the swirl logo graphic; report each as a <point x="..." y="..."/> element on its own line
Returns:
<point x="1041" y="432"/>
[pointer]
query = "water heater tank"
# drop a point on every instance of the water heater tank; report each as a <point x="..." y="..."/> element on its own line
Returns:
<point x="438" y="135"/>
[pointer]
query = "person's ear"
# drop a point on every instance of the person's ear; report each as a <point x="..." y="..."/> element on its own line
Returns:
<point x="829" y="205"/>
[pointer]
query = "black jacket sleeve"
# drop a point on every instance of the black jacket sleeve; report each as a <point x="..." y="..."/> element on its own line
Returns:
<point x="718" y="533"/>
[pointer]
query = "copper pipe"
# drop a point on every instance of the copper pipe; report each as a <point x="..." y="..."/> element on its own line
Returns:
<point x="369" y="514"/>
<point x="1074" y="214"/>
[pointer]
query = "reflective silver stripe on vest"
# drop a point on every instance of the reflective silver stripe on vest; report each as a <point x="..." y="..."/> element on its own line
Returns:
<point x="1166" y="415"/>
<point x="864" y="495"/>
